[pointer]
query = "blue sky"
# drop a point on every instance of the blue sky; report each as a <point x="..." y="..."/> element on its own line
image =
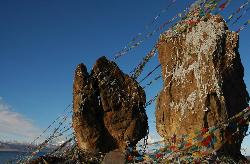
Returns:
<point x="43" y="41"/>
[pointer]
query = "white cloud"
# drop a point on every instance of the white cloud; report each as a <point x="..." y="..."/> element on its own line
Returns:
<point x="15" y="126"/>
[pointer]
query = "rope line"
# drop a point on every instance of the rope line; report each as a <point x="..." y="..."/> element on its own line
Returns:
<point x="139" y="68"/>
<point x="135" y="42"/>
<point x="151" y="82"/>
<point x="158" y="66"/>
<point x="237" y="11"/>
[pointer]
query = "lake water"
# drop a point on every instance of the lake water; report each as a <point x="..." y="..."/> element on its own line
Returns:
<point x="6" y="156"/>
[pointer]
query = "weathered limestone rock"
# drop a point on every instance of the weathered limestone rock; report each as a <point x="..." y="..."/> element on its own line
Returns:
<point x="108" y="108"/>
<point x="203" y="82"/>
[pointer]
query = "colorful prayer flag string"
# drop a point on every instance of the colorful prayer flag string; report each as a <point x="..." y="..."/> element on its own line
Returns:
<point x="224" y="5"/>
<point x="28" y="148"/>
<point x="243" y="26"/>
<point x="137" y="71"/>
<point x="197" y="144"/>
<point x="148" y="35"/>
<point x="135" y="42"/>
<point x="239" y="17"/>
<point x="57" y="132"/>
<point x="151" y="23"/>
<point x="237" y="11"/>
<point x="151" y="100"/>
<point x="204" y="138"/>
<point x="151" y="82"/>
<point x="158" y="66"/>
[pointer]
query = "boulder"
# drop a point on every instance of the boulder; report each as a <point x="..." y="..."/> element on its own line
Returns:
<point x="114" y="157"/>
<point x="108" y="108"/>
<point x="203" y="81"/>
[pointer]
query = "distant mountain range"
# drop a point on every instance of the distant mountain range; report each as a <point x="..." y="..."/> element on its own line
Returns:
<point x="20" y="147"/>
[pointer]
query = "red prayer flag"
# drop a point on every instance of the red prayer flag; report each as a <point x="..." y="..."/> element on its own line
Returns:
<point x="188" y="144"/>
<point x="206" y="141"/>
<point x="222" y="6"/>
<point x="130" y="158"/>
<point x="204" y="130"/>
<point x="158" y="155"/>
<point x="173" y="148"/>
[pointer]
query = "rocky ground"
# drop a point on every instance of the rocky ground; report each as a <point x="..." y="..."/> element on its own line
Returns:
<point x="119" y="158"/>
<point x="90" y="160"/>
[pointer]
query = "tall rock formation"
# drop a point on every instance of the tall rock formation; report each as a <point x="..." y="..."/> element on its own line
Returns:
<point x="108" y="108"/>
<point x="203" y="80"/>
